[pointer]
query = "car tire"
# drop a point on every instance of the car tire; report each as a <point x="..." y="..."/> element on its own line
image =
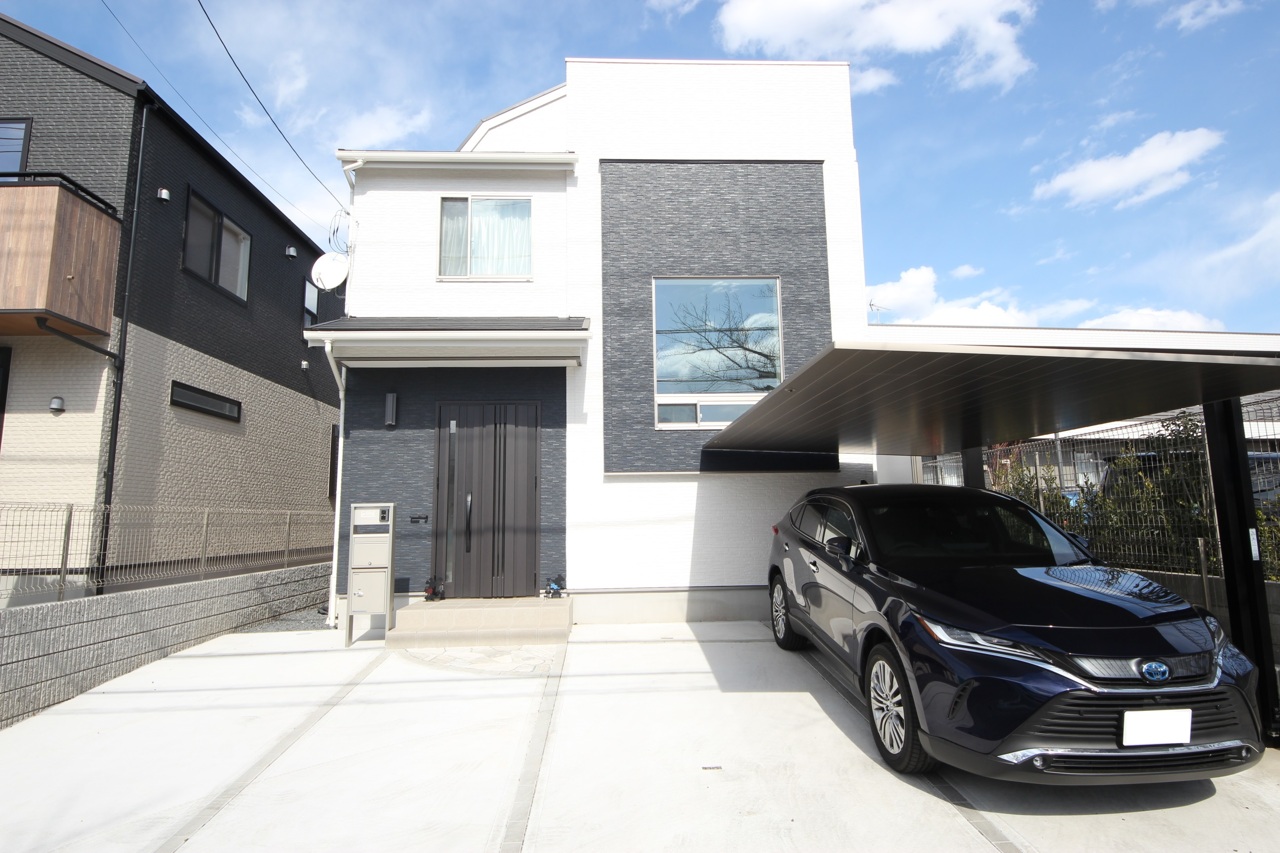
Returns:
<point x="780" y="618"/>
<point x="893" y="714"/>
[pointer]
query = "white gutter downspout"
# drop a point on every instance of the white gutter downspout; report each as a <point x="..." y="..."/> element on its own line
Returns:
<point x="340" y="377"/>
<point x="347" y="173"/>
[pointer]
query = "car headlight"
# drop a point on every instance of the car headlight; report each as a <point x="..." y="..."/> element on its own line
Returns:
<point x="1218" y="633"/>
<point x="949" y="635"/>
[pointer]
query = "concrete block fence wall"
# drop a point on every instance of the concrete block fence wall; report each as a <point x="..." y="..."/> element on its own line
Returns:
<point x="52" y="652"/>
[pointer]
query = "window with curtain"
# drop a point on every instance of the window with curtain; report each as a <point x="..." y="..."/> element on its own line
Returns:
<point x="482" y="237"/>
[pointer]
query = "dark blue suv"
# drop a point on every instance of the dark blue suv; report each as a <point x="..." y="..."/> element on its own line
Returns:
<point x="983" y="636"/>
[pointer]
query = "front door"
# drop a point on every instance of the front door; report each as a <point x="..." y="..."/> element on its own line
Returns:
<point x="486" y="531"/>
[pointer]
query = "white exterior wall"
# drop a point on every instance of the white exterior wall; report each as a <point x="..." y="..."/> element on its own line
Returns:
<point x="171" y="456"/>
<point x="678" y="531"/>
<point x="46" y="457"/>
<point x="395" y="245"/>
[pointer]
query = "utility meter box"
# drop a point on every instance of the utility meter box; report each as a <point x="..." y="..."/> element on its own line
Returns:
<point x="371" y="564"/>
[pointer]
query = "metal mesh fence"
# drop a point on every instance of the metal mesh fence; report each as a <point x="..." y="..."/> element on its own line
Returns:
<point x="54" y="552"/>
<point x="1140" y="492"/>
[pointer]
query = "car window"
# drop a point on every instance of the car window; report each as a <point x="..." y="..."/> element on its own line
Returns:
<point x="839" y="523"/>
<point x="811" y="522"/>
<point x="965" y="530"/>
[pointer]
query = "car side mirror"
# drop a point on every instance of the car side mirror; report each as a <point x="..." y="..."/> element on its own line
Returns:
<point x="840" y="546"/>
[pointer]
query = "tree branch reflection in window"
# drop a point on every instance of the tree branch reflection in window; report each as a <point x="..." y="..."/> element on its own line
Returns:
<point x="716" y="335"/>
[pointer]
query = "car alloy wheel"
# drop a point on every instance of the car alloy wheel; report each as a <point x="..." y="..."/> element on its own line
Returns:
<point x="783" y="634"/>
<point x="893" y="716"/>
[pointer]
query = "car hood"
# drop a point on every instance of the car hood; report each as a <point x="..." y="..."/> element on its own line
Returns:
<point x="1070" y="607"/>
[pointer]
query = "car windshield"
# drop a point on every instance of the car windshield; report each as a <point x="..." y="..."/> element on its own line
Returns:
<point x="963" y="529"/>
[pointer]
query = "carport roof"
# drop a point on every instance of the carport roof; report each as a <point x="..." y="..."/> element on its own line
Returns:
<point x="899" y="394"/>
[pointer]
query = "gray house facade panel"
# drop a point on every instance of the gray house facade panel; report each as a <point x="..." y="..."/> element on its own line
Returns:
<point x="717" y="219"/>
<point x="80" y="126"/>
<point x="397" y="464"/>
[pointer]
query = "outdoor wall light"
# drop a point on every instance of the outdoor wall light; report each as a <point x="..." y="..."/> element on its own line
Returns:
<point x="391" y="409"/>
<point x="162" y="194"/>
<point x="57" y="405"/>
<point x="290" y="252"/>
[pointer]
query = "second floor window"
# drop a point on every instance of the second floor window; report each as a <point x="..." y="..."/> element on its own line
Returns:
<point x="13" y="145"/>
<point x="216" y="249"/>
<point x="310" y="305"/>
<point x="485" y="237"/>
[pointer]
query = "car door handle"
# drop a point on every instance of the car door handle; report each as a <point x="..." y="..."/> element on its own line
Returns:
<point x="813" y="564"/>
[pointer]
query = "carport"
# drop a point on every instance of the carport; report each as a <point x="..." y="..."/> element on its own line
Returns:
<point x="920" y="391"/>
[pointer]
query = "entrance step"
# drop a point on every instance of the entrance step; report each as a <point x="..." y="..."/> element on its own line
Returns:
<point x="472" y="622"/>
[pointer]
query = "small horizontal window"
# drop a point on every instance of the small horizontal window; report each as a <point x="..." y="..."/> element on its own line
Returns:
<point x="699" y="414"/>
<point x="187" y="397"/>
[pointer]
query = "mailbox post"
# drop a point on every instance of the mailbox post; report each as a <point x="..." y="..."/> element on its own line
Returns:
<point x="371" y="564"/>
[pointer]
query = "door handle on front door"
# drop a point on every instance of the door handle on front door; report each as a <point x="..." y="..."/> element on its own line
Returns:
<point x="468" y="532"/>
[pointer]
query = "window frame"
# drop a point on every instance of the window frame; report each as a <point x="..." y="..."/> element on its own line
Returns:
<point x="211" y="274"/>
<point x="26" y="142"/>
<point x="212" y="410"/>
<point x="309" y="316"/>
<point x="470" y="198"/>
<point x="699" y="399"/>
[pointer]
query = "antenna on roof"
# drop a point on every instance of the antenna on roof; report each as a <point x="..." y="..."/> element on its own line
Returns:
<point x="872" y="306"/>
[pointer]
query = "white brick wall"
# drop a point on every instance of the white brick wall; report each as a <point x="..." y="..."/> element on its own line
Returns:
<point x="46" y="457"/>
<point x="277" y="457"/>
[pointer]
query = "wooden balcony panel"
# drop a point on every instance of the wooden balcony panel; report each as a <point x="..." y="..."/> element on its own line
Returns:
<point x="58" y="256"/>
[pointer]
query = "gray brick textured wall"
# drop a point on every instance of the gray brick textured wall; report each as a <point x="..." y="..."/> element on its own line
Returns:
<point x="80" y="127"/>
<point x="398" y="465"/>
<point x="700" y="219"/>
<point x="52" y="652"/>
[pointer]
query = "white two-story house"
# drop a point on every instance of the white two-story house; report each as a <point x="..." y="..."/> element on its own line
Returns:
<point x="545" y="327"/>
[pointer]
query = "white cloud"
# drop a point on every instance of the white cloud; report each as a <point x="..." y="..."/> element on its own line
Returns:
<point x="1155" y="167"/>
<point x="967" y="271"/>
<point x="1059" y="255"/>
<point x="982" y="34"/>
<point x="1112" y="119"/>
<point x="1159" y="319"/>
<point x="672" y="8"/>
<point x="381" y="126"/>
<point x="914" y="299"/>
<point x="1198" y="14"/>
<point x="868" y="80"/>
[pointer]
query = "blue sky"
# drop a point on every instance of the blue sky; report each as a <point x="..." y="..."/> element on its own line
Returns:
<point x="1080" y="163"/>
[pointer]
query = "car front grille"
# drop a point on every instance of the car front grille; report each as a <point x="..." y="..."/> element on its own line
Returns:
<point x="1094" y="720"/>
<point x="1120" y="763"/>
<point x="1124" y="671"/>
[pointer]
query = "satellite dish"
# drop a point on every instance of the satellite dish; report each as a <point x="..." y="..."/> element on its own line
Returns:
<point x="330" y="270"/>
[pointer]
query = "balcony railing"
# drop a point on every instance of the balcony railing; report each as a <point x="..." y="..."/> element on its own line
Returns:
<point x="59" y="245"/>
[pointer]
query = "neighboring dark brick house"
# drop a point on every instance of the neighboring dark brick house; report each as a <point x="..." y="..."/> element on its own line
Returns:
<point x="198" y="316"/>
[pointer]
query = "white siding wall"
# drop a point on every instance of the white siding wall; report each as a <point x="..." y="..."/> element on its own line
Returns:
<point x="178" y="457"/>
<point x="665" y="531"/>
<point x="395" y="254"/>
<point x="626" y="532"/>
<point x="46" y="457"/>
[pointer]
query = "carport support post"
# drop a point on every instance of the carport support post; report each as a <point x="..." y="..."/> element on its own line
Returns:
<point x="971" y="468"/>
<point x="1242" y="563"/>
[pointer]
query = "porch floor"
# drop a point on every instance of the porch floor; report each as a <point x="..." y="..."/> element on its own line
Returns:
<point x="469" y="622"/>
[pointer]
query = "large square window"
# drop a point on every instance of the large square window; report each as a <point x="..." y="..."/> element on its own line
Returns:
<point x="717" y="348"/>
<point x="216" y="249"/>
<point x="485" y="237"/>
<point x="14" y="134"/>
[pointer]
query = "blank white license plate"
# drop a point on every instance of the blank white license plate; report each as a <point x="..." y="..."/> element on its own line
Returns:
<point x="1145" y="728"/>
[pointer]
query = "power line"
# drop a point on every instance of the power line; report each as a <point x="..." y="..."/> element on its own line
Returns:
<point x="264" y="106"/>
<point x="208" y="126"/>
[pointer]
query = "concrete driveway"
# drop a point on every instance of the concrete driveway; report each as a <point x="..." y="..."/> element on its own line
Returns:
<point x="696" y="737"/>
